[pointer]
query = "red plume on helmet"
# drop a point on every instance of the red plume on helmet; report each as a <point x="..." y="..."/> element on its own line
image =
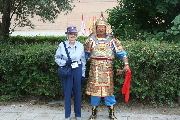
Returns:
<point x="102" y="16"/>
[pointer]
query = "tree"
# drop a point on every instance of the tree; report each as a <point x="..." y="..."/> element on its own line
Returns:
<point x="22" y="10"/>
<point x="132" y="17"/>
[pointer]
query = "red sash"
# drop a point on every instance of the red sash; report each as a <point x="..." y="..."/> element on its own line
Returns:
<point x="126" y="86"/>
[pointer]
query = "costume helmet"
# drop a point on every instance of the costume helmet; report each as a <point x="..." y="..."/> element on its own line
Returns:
<point x="102" y="21"/>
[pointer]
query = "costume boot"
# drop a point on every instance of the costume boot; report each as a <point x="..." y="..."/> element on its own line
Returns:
<point x="94" y="113"/>
<point x="111" y="113"/>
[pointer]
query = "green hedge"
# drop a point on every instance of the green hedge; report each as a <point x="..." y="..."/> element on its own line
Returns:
<point x="40" y="39"/>
<point x="155" y="71"/>
<point x="36" y="39"/>
<point x="29" y="69"/>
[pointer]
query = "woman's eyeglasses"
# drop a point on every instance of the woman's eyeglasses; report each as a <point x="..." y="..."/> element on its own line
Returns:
<point x="75" y="34"/>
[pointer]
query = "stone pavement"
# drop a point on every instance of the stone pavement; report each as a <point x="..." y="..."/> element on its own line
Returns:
<point x="44" y="112"/>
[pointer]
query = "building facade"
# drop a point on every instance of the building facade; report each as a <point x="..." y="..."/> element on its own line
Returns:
<point x="88" y="8"/>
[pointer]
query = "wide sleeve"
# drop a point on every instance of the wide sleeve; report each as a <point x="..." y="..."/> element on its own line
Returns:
<point x="118" y="49"/>
<point x="87" y="47"/>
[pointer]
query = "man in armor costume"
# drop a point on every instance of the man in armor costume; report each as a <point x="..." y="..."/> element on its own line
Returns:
<point x="101" y="48"/>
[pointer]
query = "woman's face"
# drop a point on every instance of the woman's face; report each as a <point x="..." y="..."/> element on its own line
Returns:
<point x="72" y="37"/>
<point x="101" y="29"/>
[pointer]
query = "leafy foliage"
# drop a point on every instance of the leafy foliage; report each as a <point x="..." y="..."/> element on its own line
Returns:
<point x="174" y="32"/>
<point x="28" y="68"/>
<point x="36" y="39"/>
<point x="155" y="71"/>
<point x="22" y="11"/>
<point x="132" y="18"/>
<point x="46" y="9"/>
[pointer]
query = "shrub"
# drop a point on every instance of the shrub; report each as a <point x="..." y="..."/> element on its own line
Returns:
<point x="29" y="69"/>
<point x="155" y="71"/>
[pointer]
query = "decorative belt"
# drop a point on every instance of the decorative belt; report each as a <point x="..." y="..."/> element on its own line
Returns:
<point x="103" y="59"/>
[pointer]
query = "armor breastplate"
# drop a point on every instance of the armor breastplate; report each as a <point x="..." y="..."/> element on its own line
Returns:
<point x="102" y="48"/>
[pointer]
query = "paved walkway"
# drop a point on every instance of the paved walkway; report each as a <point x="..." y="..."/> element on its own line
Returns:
<point x="45" y="112"/>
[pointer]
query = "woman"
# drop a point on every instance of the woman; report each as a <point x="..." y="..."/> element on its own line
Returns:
<point x="73" y="81"/>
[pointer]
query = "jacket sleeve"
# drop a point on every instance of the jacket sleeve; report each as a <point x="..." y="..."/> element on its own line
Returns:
<point x="83" y="60"/>
<point x="59" y="57"/>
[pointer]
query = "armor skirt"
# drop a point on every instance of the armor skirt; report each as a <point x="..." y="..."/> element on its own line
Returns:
<point x="100" y="81"/>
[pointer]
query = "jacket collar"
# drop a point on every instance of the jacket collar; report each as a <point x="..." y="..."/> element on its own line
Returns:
<point x="68" y="45"/>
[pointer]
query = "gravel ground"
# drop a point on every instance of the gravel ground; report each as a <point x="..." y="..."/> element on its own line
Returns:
<point x="54" y="110"/>
<point x="120" y="107"/>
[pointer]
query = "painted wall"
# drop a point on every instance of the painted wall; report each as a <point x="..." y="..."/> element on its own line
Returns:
<point x="88" y="8"/>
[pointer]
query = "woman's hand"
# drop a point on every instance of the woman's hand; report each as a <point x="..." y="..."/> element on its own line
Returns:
<point x="83" y="80"/>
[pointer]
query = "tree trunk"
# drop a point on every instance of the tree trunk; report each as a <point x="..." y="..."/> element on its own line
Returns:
<point x="0" y="29"/>
<point x="6" y="19"/>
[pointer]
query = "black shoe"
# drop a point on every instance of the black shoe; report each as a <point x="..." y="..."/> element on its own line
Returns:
<point x="111" y="113"/>
<point x="94" y="113"/>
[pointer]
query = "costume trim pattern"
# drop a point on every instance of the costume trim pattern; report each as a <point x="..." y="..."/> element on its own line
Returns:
<point x="102" y="52"/>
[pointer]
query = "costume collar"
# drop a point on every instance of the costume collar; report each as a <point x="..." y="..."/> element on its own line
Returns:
<point x="105" y="38"/>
